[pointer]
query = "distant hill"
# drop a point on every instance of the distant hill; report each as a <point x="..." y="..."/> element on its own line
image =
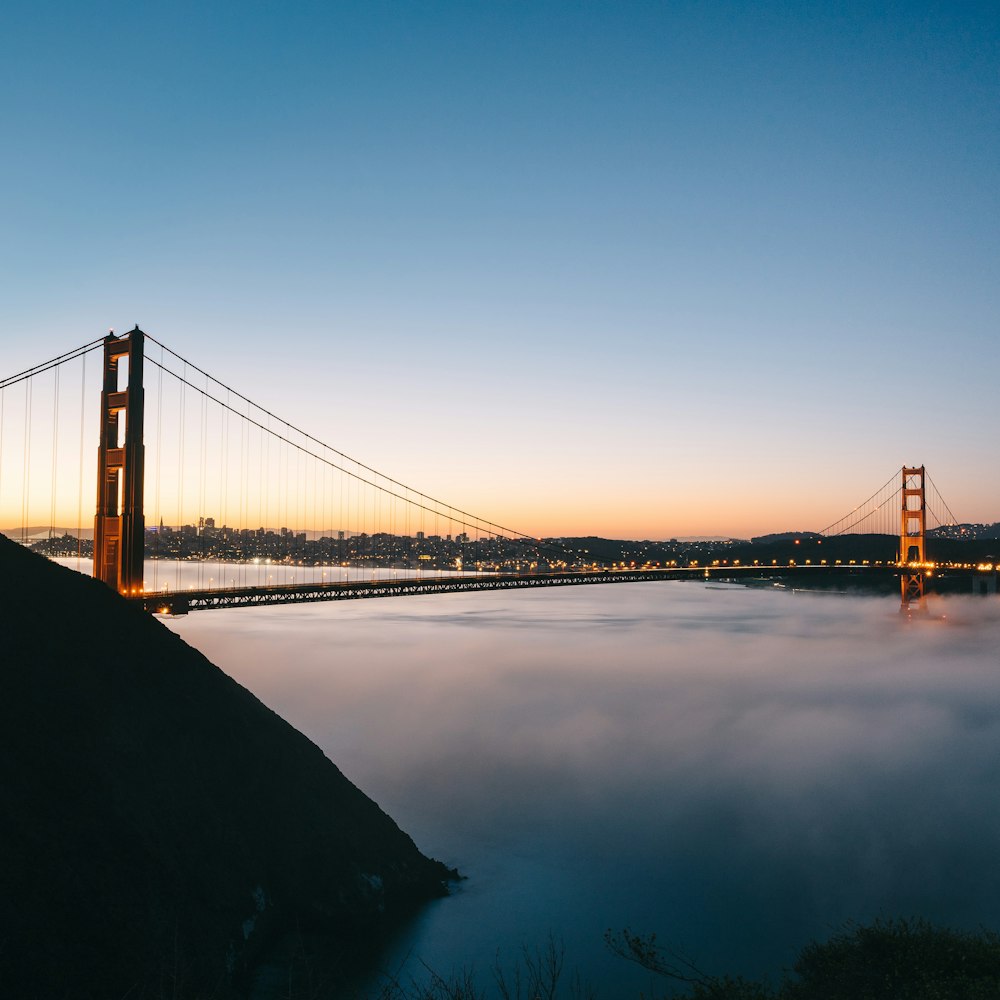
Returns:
<point x="966" y="532"/>
<point x="784" y="536"/>
<point x="160" y="826"/>
<point x="33" y="532"/>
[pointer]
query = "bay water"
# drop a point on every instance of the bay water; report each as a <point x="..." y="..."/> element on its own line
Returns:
<point x="738" y="770"/>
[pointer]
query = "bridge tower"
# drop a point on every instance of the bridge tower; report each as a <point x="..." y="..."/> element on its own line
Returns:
<point x="912" y="532"/>
<point x="119" y="525"/>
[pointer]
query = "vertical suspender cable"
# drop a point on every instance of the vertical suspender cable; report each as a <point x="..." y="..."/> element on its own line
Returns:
<point x="3" y="407"/>
<point x="180" y="486"/>
<point x="324" y="528"/>
<point x="283" y="472"/>
<point x="224" y="486"/>
<point x="409" y="534"/>
<point x="202" y="435"/>
<point x="158" y="510"/>
<point x="305" y="523"/>
<point x="79" y="500"/>
<point x="261" y="487"/>
<point x="345" y="525"/>
<point x="242" y="519"/>
<point x="55" y="450"/>
<point x="265" y="481"/>
<point x="26" y="475"/>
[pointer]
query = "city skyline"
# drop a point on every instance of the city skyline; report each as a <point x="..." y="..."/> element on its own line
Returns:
<point x="638" y="271"/>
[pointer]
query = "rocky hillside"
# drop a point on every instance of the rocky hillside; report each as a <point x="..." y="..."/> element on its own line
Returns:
<point x="159" y="825"/>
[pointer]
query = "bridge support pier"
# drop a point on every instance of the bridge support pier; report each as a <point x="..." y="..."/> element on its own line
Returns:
<point x="119" y="525"/>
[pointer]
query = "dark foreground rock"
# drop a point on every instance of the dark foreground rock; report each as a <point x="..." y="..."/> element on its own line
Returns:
<point x="159" y="826"/>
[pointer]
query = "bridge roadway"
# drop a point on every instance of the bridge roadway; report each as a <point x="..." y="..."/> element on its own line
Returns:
<point x="181" y="602"/>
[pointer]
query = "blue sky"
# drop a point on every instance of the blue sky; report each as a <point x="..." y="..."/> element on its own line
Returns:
<point x="632" y="268"/>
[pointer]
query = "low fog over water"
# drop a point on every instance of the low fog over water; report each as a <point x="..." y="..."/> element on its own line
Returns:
<point x="738" y="770"/>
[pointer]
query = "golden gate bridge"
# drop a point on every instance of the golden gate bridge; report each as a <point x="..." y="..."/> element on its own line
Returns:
<point x="188" y="470"/>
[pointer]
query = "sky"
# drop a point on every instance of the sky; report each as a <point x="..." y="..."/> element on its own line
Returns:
<point x="632" y="269"/>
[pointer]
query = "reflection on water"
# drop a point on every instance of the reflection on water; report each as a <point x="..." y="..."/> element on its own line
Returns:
<point x="738" y="770"/>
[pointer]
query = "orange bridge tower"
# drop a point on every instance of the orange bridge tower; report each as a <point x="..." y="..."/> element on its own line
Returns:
<point x="119" y="525"/>
<point x="912" y="533"/>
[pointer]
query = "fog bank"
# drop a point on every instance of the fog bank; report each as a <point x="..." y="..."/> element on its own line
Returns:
<point x="738" y="770"/>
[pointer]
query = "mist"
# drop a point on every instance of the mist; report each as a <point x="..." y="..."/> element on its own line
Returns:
<point x="738" y="770"/>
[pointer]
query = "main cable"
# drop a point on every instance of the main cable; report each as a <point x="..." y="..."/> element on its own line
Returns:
<point x="859" y="506"/>
<point x="937" y="493"/>
<point x="433" y="505"/>
<point x="52" y="363"/>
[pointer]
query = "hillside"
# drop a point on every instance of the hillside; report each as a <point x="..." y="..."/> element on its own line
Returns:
<point x="160" y="826"/>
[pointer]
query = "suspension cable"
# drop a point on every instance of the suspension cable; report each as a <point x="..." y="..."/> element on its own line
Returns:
<point x="79" y="501"/>
<point x="26" y="475"/>
<point x="937" y="493"/>
<point x="284" y="439"/>
<point x="52" y="363"/>
<point x="55" y="451"/>
<point x="431" y="501"/>
<point x="860" y="506"/>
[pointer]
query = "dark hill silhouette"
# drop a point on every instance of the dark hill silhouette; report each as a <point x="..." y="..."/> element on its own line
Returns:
<point x="159" y="825"/>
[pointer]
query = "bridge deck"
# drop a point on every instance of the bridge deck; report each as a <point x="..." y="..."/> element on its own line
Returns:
<point x="181" y="602"/>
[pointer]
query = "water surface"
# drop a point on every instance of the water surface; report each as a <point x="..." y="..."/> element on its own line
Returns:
<point x="738" y="770"/>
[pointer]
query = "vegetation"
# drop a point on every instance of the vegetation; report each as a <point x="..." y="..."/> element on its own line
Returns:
<point x="885" y="960"/>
